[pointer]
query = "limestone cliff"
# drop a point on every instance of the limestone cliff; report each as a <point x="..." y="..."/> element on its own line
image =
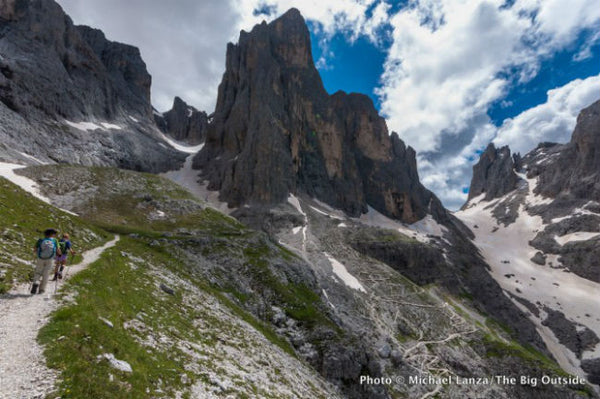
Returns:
<point x="277" y="131"/>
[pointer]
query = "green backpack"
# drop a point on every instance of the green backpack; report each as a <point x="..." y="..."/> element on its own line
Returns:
<point x="63" y="247"/>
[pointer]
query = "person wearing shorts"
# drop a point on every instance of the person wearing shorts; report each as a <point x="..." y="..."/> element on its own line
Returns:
<point x="66" y="248"/>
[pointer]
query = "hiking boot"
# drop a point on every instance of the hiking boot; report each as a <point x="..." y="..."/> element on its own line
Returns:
<point x="34" y="288"/>
<point x="54" y="278"/>
<point x="41" y="292"/>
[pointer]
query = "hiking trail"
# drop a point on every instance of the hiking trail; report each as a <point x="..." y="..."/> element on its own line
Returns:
<point x="23" y="370"/>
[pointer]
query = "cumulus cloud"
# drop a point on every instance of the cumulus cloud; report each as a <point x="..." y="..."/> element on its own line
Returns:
<point x="551" y="121"/>
<point x="450" y="60"/>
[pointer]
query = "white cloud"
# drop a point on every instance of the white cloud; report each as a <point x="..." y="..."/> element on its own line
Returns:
<point x="551" y="121"/>
<point x="333" y="16"/>
<point x="451" y="59"/>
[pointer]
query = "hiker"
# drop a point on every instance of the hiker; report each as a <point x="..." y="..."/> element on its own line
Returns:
<point x="45" y="250"/>
<point x="66" y="248"/>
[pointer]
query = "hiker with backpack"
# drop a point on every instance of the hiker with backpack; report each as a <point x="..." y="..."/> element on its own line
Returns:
<point x="65" y="248"/>
<point x="45" y="250"/>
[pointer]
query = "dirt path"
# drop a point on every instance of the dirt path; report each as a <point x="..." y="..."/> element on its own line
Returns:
<point x="23" y="371"/>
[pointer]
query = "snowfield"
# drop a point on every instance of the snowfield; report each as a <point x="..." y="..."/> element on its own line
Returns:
<point x="181" y="147"/>
<point x="7" y="170"/>
<point x="506" y="249"/>
<point x="342" y="273"/>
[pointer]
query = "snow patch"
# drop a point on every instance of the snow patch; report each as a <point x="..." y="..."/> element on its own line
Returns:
<point x="342" y="273"/>
<point x="576" y="212"/>
<point x="134" y="119"/>
<point x="376" y="219"/>
<point x="91" y="126"/>
<point x="342" y="225"/>
<point x="109" y="126"/>
<point x="578" y="236"/>
<point x="327" y="297"/>
<point x="296" y="229"/>
<point x="293" y="201"/>
<point x="87" y="126"/>
<point x="181" y="147"/>
<point x="532" y="198"/>
<point x="428" y="225"/>
<point x="7" y="170"/>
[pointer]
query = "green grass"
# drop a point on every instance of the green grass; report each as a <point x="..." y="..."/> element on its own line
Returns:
<point x="297" y="300"/>
<point x="110" y="288"/>
<point x="23" y="218"/>
<point x="496" y="347"/>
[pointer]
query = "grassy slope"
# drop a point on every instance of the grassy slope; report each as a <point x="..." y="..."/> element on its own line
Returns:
<point x="22" y="220"/>
<point x="122" y="286"/>
<point x="112" y="289"/>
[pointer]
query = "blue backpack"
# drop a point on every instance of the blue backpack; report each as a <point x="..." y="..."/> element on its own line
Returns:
<point x="46" y="248"/>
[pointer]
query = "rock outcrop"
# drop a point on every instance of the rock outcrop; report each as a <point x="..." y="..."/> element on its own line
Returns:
<point x="576" y="170"/>
<point x="183" y="122"/>
<point x="277" y="131"/>
<point x="494" y="173"/>
<point x="76" y="96"/>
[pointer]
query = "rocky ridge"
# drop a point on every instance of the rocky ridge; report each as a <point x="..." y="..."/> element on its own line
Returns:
<point x="183" y="122"/>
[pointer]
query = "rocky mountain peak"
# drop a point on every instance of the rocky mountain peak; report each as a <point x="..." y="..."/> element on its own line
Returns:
<point x="277" y="131"/>
<point x="494" y="174"/>
<point x="183" y="122"/>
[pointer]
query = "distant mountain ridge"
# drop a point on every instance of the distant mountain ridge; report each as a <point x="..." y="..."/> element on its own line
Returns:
<point x="549" y="200"/>
<point x="183" y="122"/>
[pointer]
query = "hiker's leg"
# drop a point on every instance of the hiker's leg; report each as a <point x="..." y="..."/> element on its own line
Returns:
<point x="55" y="274"/>
<point x="45" y="275"/>
<point x="39" y="270"/>
<point x="37" y="274"/>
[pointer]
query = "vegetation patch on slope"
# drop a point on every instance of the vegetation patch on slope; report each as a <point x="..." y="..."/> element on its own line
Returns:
<point x="23" y="218"/>
<point x="188" y="343"/>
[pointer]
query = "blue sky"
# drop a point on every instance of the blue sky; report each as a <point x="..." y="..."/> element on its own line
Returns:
<point x="349" y="66"/>
<point x="450" y="76"/>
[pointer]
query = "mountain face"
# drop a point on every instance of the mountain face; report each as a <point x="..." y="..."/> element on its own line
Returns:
<point x="276" y="131"/>
<point x="183" y="122"/>
<point x="76" y="96"/>
<point x="494" y="173"/>
<point x="576" y="171"/>
<point x="543" y="209"/>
